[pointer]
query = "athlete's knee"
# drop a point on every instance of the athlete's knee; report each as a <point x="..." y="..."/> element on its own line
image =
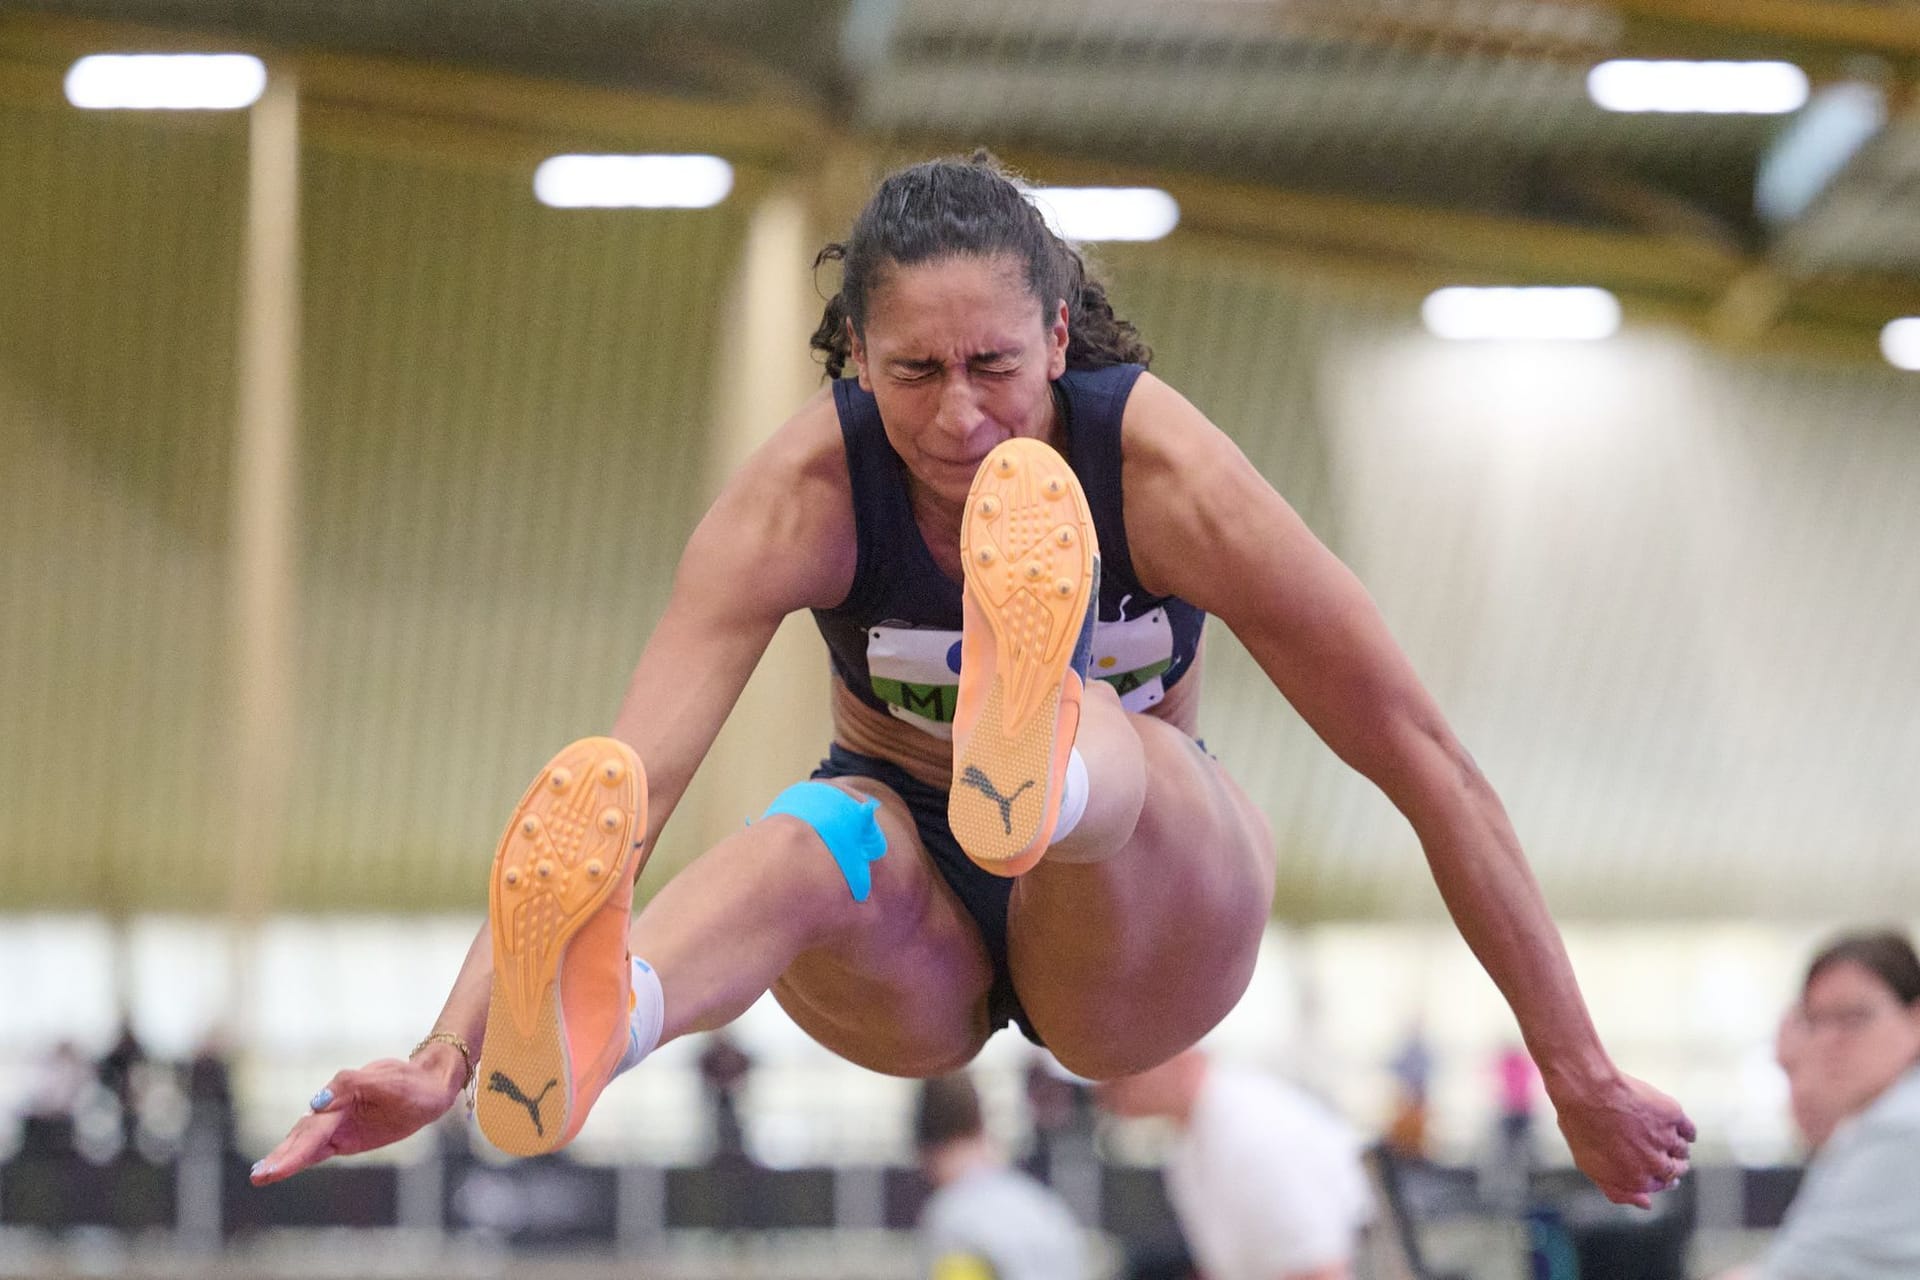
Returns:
<point x="847" y="824"/>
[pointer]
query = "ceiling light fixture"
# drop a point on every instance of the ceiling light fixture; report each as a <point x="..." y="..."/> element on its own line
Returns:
<point x="1719" y="88"/>
<point x="632" y="182"/>
<point x="1538" y="314"/>
<point x="166" y="81"/>
<point x="1107" y="213"/>
<point x="1900" y="343"/>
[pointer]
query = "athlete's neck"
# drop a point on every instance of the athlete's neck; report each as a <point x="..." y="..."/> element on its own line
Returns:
<point x="939" y="521"/>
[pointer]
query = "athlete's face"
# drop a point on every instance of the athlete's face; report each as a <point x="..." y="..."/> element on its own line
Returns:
<point x="960" y="356"/>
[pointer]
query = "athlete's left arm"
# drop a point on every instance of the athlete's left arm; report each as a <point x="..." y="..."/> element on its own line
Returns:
<point x="1204" y="525"/>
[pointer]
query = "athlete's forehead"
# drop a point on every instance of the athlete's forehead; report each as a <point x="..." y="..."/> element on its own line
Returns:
<point x="946" y="309"/>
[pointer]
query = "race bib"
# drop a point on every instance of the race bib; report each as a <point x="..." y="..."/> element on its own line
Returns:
<point x="915" y="671"/>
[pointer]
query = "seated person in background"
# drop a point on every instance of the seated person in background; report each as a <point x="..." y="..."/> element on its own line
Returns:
<point x="985" y="1221"/>
<point x="1266" y="1182"/>
<point x="1851" y="1049"/>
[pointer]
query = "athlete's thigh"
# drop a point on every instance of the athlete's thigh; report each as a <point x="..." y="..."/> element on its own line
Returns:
<point x="907" y="995"/>
<point x="1122" y="963"/>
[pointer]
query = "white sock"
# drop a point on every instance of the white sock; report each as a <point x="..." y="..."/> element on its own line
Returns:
<point x="1073" y="797"/>
<point x="649" y="1013"/>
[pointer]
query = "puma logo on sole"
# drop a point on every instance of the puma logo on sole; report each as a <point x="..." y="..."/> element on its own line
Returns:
<point x="499" y="1082"/>
<point x="979" y="781"/>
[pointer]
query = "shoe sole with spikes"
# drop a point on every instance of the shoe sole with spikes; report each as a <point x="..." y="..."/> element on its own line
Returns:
<point x="558" y="905"/>
<point x="1032" y="566"/>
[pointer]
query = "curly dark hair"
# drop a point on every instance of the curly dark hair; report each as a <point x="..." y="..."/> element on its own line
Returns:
<point x="968" y="207"/>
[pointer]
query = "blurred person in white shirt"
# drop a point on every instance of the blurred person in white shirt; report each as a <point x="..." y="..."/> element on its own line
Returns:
<point x="1265" y="1180"/>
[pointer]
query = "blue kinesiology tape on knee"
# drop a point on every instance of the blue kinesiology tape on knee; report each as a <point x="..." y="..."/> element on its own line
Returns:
<point x="850" y="828"/>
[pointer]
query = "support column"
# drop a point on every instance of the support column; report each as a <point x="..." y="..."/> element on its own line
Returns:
<point x="781" y="725"/>
<point x="262" y="581"/>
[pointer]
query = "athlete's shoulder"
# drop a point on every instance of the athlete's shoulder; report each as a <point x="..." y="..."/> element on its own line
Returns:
<point x="1168" y="443"/>
<point x="806" y="450"/>
<point x="1188" y="487"/>
<point x="1156" y="412"/>
<point x="789" y="506"/>
<point x="1109" y="379"/>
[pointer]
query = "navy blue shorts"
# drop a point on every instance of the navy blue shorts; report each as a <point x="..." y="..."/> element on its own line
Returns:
<point x="983" y="894"/>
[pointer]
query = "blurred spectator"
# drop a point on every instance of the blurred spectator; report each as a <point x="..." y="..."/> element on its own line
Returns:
<point x="984" y="1221"/>
<point x="1851" y="1049"/>
<point x="1412" y="1071"/>
<point x="210" y="1093"/>
<point x="1266" y="1182"/>
<point x="62" y="1081"/>
<point x="61" y="1084"/>
<point x="1510" y="1164"/>
<point x="118" y="1071"/>
<point x="1059" y="1104"/>
<point x="723" y="1072"/>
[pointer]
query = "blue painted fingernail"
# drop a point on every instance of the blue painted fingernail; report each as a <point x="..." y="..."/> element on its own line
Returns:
<point x="259" y="1167"/>
<point x="321" y="1099"/>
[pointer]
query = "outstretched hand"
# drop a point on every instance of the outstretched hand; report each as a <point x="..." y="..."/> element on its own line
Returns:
<point x="1632" y="1141"/>
<point x="379" y="1104"/>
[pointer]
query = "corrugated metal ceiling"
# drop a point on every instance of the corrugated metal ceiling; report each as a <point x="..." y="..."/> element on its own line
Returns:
<point x="1720" y="653"/>
<point x="1451" y="105"/>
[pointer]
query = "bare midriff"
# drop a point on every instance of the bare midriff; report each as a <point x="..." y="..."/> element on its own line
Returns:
<point x="859" y="727"/>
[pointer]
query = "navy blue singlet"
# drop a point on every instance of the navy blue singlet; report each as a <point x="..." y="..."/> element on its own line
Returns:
<point x="895" y="639"/>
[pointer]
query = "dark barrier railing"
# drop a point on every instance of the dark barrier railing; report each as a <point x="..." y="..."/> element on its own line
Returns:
<point x="203" y="1196"/>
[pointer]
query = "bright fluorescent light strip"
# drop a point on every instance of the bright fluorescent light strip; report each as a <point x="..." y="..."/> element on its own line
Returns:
<point x="166" y="81"/>
<point x="1719" y="88"/>
<point x="632" y="182"/>
<point x="1900" y="343"/>
<point x="1578" y="314"/>
<point x="1107" y="213"/>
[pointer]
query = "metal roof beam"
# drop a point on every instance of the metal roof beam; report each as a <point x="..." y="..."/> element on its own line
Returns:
<point x="1824" y="32"/>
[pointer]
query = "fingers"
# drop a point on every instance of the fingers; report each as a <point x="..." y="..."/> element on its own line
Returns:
<point x="335" y="1093"/>
<point x="1620" y="1195"/>
<point x="1677" y="1171"/>
<point x="1657" y="1172"/>
<point x="1671" y="1170"/>
<point x="311" y="1139"/>
<point x="307" y="1144"/>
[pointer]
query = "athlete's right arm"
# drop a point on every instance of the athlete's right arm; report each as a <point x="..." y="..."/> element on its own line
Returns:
<point x="778" y="538"/>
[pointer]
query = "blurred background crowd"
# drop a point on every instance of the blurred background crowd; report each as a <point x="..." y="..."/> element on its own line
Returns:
<point x="1604" y="383"/>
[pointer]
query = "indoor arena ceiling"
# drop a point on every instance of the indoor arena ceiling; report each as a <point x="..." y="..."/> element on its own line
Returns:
<point x="1448" y="133"/>
<point x="1676" y="628"/>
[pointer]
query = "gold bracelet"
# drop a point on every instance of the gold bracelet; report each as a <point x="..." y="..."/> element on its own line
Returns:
<point x="466" y="1056"/>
